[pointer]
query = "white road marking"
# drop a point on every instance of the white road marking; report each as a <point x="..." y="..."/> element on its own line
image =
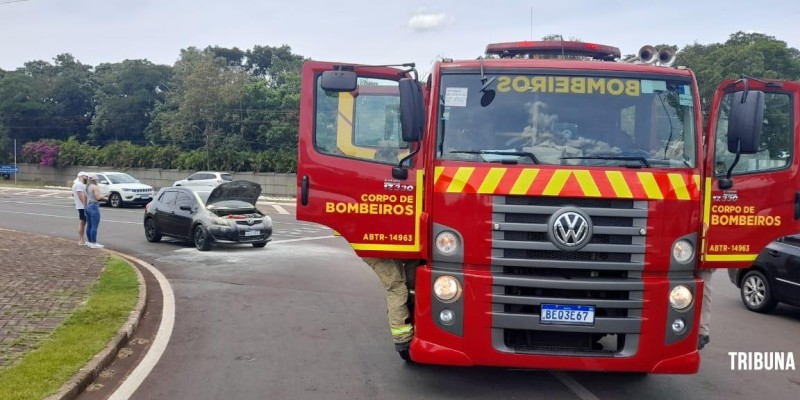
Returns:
<point x="582" y="392"/>
<point x="303" y="239"/>
<point x="135" y="379"/>
<point x="69" y="205"/>
<point x="70" y="217"/>
<point x="280" y="209"/>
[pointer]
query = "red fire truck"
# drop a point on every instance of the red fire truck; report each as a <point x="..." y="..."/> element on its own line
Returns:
<point x="558" y="200"/>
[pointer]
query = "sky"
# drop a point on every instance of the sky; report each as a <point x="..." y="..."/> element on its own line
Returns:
<point x="367" y="31"/>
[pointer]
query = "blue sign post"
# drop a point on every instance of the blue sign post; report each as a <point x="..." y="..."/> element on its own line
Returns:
<point x="6" y="171"/>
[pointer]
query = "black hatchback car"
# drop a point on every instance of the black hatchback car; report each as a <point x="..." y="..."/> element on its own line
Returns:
<point x="226" y="214"/>
<point x="774" y="277"/>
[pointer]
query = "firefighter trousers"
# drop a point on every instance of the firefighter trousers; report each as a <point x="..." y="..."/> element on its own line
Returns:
<point x="393" y="276"/>
<point x="705" y="310"/>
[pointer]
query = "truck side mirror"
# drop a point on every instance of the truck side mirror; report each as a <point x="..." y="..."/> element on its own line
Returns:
<point x="746" y="122"/>
<point x="339" y="81"/>
<point x="412" y="110"/>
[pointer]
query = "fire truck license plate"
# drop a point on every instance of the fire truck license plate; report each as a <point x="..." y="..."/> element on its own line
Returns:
<point x="567" y="314"/>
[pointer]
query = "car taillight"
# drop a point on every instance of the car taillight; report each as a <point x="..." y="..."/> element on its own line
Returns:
<point x="147" y="207"/>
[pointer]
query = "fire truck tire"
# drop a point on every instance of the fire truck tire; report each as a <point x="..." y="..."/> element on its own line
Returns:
<point x="756" y="292"/>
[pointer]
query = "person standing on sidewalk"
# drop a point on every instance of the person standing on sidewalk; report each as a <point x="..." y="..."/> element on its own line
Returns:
<point x="79" y="196"/>
<point x="93" y="198"/>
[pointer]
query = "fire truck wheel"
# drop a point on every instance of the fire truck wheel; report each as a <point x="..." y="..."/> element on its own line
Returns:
<point x="757" y="293"/>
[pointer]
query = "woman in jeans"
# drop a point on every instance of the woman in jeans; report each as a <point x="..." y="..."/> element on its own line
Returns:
<point x="93" y="198"/>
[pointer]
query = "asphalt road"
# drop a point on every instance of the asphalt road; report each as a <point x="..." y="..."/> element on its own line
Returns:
<point x="304" y="318"/>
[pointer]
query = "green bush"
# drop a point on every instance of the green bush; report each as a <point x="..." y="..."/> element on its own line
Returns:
<point x="124" y="154"/>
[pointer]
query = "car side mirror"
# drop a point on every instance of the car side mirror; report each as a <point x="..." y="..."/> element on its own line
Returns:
<point x="103" y="182"/>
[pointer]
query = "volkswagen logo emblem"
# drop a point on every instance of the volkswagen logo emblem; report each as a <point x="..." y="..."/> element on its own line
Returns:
<point x="570" y="229"/>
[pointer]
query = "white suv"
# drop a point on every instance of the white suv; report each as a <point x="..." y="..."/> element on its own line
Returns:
<point x="121" y="189"/>
<point x="205" y="179"/>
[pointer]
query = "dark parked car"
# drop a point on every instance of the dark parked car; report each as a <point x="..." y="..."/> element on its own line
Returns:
<point x="226" y="214"/>
<point x="774" y="277"/>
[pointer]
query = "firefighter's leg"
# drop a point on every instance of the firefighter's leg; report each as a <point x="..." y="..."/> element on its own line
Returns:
<point x="392" y="276"/>
<point x="705" y="311"/>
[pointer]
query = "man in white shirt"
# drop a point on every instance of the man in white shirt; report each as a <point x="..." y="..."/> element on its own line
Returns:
<point x="79" y="196"/>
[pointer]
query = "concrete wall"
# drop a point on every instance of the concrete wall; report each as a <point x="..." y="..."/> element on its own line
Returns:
<point x="272" y="184"/>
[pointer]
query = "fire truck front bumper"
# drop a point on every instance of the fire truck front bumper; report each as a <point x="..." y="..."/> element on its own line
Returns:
<point x="492" y="325"/>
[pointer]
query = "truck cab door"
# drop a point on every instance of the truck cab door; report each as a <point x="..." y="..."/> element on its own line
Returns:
<point x="760" y="202"/>
<point x="349" y="143"/>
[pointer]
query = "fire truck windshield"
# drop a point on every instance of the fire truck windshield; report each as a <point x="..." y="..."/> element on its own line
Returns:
<point x="567" y="120"/>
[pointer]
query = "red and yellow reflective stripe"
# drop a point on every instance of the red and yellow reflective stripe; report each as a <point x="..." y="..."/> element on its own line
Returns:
<point x="567" y="183"/>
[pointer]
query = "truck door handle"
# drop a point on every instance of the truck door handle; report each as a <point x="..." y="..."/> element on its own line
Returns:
<point x="797" y="205"/>
<point x="304" y="191"/>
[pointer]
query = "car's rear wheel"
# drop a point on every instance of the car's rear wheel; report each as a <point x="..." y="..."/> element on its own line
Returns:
<point x="202" y="240"/>
<point x="115" y="200"/>
<point x="757" y="293"/>
<point x="259" y="244"/>
<point x="151" y="232"/>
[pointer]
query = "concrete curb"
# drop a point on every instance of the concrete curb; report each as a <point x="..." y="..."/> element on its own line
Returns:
<point x="86" y="375"/>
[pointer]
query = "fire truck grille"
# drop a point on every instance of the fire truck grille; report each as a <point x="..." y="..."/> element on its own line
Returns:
<point x="529" y="270"/>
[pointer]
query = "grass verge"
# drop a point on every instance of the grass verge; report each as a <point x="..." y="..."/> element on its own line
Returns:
<point x="82" y="335"/>
<point x="22" y="184"/>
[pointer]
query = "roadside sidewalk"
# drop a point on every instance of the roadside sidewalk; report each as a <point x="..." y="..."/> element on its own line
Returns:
<point x="59" y="302"/>
<point x="42" y="280"/>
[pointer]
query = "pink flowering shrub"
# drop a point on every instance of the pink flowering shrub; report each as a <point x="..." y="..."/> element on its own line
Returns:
<point x="42" y="152"/>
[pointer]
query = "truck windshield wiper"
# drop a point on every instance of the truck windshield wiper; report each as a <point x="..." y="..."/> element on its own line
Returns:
<point x="499" y="153"/>
<point x="623" y="158"/>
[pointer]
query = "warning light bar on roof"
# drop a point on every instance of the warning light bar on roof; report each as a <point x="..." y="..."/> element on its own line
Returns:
<point x="554" y="47"/>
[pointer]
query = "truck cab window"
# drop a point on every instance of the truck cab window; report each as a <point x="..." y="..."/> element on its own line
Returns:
<point x="364" y="124"/>
<point x="776" y="148"/>
<point x="568" y="120"/>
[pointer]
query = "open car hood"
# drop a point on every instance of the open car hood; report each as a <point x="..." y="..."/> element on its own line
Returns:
<point x="237" y="190"/>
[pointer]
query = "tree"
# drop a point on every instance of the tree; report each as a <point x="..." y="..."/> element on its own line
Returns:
<point x="6" y="145"/>
<point x="752" y="54"/>
<point x="44" y="100"/>
<point x="204" y="102"/>
<point x="125" y="99"/>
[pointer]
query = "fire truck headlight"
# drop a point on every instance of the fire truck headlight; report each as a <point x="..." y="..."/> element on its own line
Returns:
<point x="680" y="298"/>
<point x="447" y="288"/>
<point x="447" y="243"/>
<point x="683" y="251"/>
